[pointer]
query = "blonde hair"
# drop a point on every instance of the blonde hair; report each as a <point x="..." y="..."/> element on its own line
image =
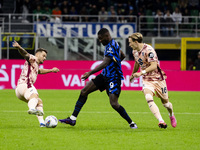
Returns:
<point x="136" y="37"/>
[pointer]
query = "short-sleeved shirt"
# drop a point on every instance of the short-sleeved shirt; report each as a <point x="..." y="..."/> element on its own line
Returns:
<point x="111" y="76"/>
<point x="113" y="70"/>
<point x="29" y="72"/>
<point x="144" y="57"/>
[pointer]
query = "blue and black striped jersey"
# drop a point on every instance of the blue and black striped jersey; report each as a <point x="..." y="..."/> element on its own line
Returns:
<point x="113" y="70"/>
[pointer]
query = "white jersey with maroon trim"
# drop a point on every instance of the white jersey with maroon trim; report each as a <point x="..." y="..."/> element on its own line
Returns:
<point x="29" y="72"/>
<point x="144" y="57"/>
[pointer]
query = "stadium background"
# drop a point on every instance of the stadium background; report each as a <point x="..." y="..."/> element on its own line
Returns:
<point x="68" y="30"/>
<point x="98" y="126"/>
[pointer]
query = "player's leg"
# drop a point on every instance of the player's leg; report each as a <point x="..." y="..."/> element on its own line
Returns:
<point x="28" y="95"/>
<point x="19" y="91"/>
<point x="40" y="108"/>
<point x="169" y="107"/>
<point x="89" y="88"/>
<point x="162" y="93"/>
<point x="31" y="95"/>
<point x="113" y="89"/>
<point x="120" y="109"/>
<point x="153" y="107"/>
<point x="33" y="101"/>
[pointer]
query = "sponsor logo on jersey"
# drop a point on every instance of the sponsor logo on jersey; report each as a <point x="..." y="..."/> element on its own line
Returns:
<point x="109" y="50"/>
<point x="151" y="55"/>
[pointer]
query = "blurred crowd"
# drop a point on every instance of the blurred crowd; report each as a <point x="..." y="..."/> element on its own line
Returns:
<point x="175" y="8"/>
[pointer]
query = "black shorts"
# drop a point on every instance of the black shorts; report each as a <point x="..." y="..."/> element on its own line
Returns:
<point x="112" y="86"/>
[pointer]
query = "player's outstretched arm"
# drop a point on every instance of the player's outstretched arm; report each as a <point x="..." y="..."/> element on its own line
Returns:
<point x="44" y="71"/>
<point x="105" y="62"/>
<point x="22" y="51"/>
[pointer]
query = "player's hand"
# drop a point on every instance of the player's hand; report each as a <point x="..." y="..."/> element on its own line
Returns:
<point x="55" y="70"/>
<point x="85" y="76"/>
<point x="131" y="78"/>
<point x="15" y="44"/>
<point x="137" y="74"/>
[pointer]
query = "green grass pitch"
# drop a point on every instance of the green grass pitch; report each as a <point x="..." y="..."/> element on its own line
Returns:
<point x="98" y="126"/>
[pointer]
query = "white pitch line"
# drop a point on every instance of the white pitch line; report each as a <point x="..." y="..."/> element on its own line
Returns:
<point x="90" y="112"/>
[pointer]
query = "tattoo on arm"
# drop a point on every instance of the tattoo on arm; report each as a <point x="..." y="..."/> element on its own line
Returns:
<point x="24" y="53"/>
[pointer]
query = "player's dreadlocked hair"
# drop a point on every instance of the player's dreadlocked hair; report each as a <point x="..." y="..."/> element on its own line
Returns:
<point x="103" y="31"/>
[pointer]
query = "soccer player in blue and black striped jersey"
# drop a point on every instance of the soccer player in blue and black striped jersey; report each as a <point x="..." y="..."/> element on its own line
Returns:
<point x="109" y="79"/>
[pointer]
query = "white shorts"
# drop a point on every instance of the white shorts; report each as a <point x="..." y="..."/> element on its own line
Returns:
<point x="159" y="87"/>
<point x="24" y="93"/>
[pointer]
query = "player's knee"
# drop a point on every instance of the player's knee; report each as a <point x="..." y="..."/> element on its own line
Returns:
<point x="148" y="97"/>
<point x="166" y="105"/>
<point x="84" y="92"/>
<point x="150" y="103"/>
<point x="28" y="97"/>
<point x="114" y="105"/>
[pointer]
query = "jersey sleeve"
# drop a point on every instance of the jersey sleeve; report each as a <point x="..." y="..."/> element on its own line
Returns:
<point x="112" y="54"/>
<point x="151" y="55"/>
<point x="32" y="59"/>
<point x="109" y="52"/>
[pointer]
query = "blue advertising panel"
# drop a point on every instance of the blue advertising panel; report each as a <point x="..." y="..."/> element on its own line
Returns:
<point x="83" y="29"/>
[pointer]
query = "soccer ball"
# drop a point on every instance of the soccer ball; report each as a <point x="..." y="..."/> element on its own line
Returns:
<point x="51" y="121"/>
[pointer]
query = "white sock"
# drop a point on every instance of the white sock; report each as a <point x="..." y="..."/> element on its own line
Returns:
<point x="155" y="110"/>
<point x="72" y="117"/>
<point x="161" y="119"/>
<point x="169" y="108"/>
<point x="32" y="103"/>
<point x="40" y="118"/>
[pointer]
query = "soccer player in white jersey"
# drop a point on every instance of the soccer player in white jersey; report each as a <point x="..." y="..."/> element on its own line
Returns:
<point x="25" y="89"/>
<point x="153" y="77"/>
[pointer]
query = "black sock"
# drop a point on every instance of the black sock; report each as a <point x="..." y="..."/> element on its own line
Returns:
<point x="124" y="114"/>
<point x="79" y="104"/>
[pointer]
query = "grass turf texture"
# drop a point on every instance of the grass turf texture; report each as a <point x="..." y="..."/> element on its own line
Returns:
<point x="98" y="126"/>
